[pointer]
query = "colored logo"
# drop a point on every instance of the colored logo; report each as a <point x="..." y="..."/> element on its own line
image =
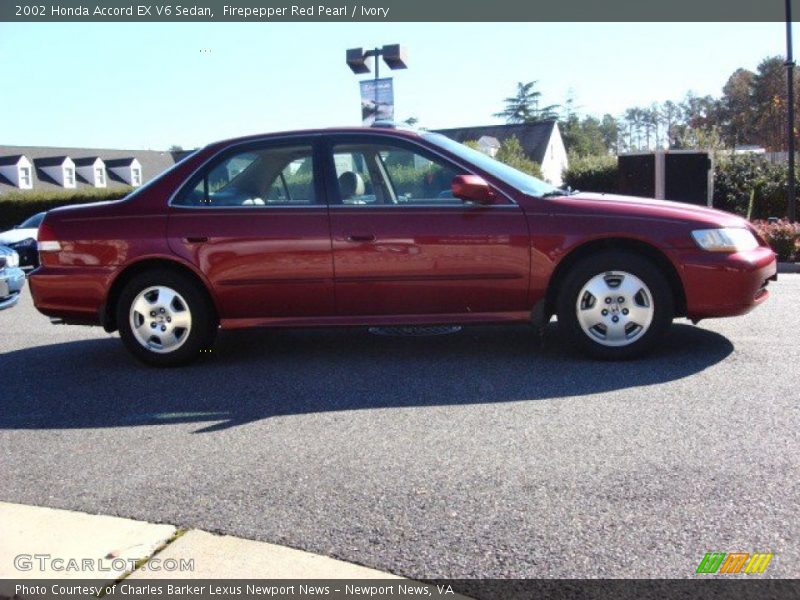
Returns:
<point x="734" y="562"/>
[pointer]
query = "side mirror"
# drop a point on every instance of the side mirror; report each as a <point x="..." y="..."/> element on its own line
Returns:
<point x="472" y="188"/>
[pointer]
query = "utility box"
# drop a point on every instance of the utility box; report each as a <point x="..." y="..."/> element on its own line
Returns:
<point x="679" y="175"/>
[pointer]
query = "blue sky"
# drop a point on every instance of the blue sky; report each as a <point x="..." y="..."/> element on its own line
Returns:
<point x="152" y="85"/>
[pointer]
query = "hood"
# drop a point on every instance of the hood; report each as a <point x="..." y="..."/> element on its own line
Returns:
<point x="633" y="206"/>
<point x="12" y="236"/>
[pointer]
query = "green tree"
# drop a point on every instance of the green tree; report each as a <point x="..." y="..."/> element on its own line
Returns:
<point x="670" y="116"/>
<point x="770" y="103"/>
<point x="752" y="109"/>
<point x="524" y="106"/>
<point x="587" y="135"/>
<point x="583" y="137"/>
<point x="609" y="130"/>
<point x="701" y="118"/>
<point x="633" y="119"/>
<point x="738" y="109"/>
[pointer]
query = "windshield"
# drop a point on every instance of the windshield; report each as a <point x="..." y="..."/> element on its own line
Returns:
<point x="527" y="184"/>
<point x="33" y="222"/>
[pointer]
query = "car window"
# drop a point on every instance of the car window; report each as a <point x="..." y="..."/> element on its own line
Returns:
<point x="293" y="185"/>
<point x="279" y="176"/>
<point x="32" y="222"/>
<point x="417" y="179"/>
<point x="388" y="174"/>
<point x="353" y="177"/>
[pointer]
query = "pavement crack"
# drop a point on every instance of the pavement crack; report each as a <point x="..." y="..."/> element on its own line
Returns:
<point x="143" y="561"/>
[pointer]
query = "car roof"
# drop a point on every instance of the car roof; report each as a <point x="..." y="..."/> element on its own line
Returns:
<point x="404" y="133"/>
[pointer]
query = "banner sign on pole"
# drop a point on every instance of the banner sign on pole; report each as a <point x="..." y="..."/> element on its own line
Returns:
<point x="377" y="101"/>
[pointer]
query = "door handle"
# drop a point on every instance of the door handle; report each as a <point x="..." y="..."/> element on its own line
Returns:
<point x="198" y="239"/>
<point x="367" y="237"/>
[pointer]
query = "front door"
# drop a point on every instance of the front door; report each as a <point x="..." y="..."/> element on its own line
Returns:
<point x="402" y="244"/>
<point x="255" y="222"/>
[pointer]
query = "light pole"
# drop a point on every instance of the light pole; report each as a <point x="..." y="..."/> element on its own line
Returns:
<point x="394" y="55"/>
<point x="790" y="98"/>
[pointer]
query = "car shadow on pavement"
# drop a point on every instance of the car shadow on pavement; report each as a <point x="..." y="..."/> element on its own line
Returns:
<point x="258" y="374"/>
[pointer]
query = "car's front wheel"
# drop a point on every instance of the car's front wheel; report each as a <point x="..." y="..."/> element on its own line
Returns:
<point x="165" y="319"/>
<point x="615" y="305"/>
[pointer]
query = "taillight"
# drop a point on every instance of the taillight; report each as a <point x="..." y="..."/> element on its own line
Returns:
<point x="48" y="242"/>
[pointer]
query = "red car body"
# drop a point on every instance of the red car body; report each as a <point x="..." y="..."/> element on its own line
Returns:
<point x="338" y="264"/>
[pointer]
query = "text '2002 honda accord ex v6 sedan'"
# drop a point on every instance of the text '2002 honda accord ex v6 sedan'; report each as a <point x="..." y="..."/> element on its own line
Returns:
<point x="385" y="227"/>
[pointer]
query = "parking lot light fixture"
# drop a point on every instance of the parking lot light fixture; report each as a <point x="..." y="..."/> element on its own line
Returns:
<point x="394" y="55"/>
<point x="792" y="208"/>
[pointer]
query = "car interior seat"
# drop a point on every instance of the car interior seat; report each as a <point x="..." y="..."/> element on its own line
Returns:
<point x="351" y="185"/>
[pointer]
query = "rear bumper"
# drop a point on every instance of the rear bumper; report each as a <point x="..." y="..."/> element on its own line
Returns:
<point x="12" y="280"/>
<point x="72" y="294"/>
<point x="726" y="285"/>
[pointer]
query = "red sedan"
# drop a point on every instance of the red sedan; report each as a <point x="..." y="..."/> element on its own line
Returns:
<point x="385" y="227"/>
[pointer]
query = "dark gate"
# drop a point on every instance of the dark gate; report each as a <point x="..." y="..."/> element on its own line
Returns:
<point x="637" y="175"/>
<point x="686" y="177"/>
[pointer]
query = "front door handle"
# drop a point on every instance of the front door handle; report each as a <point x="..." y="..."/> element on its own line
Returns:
<point x="198" y="239"/>
<point x="366" y="237"/>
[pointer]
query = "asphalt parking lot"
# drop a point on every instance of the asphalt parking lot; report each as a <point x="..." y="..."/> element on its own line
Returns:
<point x="476" y="454"/>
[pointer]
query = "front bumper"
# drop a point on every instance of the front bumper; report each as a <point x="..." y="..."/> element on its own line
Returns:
<point x="28" y="256"/>
<point x="725" y="285"/>
<point x="12" y="280"/>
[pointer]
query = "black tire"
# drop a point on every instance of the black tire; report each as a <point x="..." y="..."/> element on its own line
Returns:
<point x="200" y="334"/>
<point x="644" y="339"/>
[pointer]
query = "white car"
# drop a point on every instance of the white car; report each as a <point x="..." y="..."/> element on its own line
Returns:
<point x="23" y="239"/>
<point x="11" y="278"/>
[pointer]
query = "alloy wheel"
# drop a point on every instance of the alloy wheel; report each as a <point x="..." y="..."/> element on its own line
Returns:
<point x="615" y="308"/>
<point x="160" y="319"/>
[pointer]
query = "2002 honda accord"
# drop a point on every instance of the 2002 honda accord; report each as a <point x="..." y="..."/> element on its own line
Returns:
<point x="379" y="227"/>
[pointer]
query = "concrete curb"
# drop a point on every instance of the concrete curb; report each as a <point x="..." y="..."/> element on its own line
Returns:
<point x="113" y="545"/>
<point x="788" y="267"/>
<point x="142" y="551"/>
<point x="228" y="557"/>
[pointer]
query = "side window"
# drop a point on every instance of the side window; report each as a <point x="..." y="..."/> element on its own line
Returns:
<point x="280" y="176"/>
<point x="417" y="179"/>
<point x="388" y="174"/>
<point x="295" y="184"/>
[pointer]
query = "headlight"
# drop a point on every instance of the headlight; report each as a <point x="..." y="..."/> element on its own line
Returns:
<point x="26" y="243"/>
<point x="728" y="239"/>
<point x="12" y="259"/>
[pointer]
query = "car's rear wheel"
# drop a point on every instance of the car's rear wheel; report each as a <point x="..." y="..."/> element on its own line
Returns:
<point x="615" y="305"/>
<point x="165" y="318"/>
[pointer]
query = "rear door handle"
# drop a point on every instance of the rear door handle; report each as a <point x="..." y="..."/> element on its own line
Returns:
<point x="198" y="239"/>
<point x="367" y="237"/>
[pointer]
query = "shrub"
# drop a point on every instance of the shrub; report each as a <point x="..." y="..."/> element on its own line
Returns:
<point x="598" y="173"/>
<point x="512" y="154"/>
<point x="751" y="186"/>
<point x="15" y="207"/>
<point x="782" y="235"/>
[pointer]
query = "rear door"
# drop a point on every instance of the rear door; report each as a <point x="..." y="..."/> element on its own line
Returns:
<point x="255" y="222"/>
<point x="402" y="244"/>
